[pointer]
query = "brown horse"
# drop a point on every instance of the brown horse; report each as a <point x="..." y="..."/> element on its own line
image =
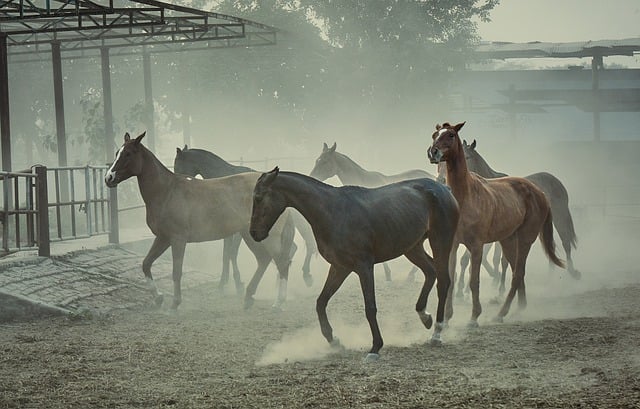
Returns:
<point x="332" y="163"/>
<point x="558" y="199"/>
<point x="356" y="227"/>
<point x="183" y="210"/>
<point x="510" y="210"/>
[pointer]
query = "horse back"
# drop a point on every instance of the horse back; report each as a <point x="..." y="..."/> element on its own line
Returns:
<point x="551" y="186"/>
<point x="202" y="210"/>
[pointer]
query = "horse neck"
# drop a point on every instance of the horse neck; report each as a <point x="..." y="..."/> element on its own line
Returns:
<point x="458" y="177"/>
<point x="482" y="168"/>
<point x="155" y="179"/>
<point x="308" y="196"/>
<point x="215" y="166"/>
<point x="349" y="172"/>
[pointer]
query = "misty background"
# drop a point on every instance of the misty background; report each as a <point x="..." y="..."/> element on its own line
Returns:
<point x="375" y="77"/>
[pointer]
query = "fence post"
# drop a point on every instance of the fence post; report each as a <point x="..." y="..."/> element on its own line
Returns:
<point x="114" y="227"/>
<point x="42" y="202"/>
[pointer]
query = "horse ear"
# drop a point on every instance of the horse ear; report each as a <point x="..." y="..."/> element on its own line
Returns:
<point x="127" y="137"/>
<point x="459" y="126"/>
<point x="438" y="127"/>
<point x="185" y="147"/>
<point x="269" y="177"/>
<point x="473" y="144"/>
<point x="324" y="147"/>
<point x="333" y="148"/>
<point x="178" y="151"/>
<point x="139" y="138"/>
<point x="464" y="143"/>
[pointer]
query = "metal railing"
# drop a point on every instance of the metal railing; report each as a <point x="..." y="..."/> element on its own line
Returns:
<point x="78" y="202"/>
<point x="24" y="211"/>
<point x="43" y="205"/>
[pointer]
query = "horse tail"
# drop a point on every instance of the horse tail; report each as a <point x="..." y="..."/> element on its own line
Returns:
<point x="548" y="244"/>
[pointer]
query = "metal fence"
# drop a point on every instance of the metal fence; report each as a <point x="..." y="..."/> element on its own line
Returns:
<point x="42" y="205"/>
<point x="24" y="211"/>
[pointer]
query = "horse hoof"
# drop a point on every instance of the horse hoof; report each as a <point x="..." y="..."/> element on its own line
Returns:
<point x="308" y="279"/>
<point x="371" y="357"/>
<point x="472" y="324"/>
<point x="427" y="320"/>
<point x="497" y="319"/>
<point x="240" y="289"/>
<point x="335" y="343"/>
<point x="248" y="302"/>
<point x="436" y="342"/>
<point x="159" y="300"/>
<point x="277" y="308"/>
<point x="575" y="274"/>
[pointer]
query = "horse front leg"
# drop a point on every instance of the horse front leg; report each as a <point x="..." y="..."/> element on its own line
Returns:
<point x="474" y="283"/>
<point x="367" y="284"/>
<point x="335" y="278"/>
<point x="283" y="262"/>
<point x="159" y="246"/>
<point x="177" y="253"/>
<point x="453" y="257"/>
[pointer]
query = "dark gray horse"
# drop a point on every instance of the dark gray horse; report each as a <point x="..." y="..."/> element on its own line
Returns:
<point x="192" y="162"/>
<point x="356" y="227"/>
<point x="558" y="199"/>
<point x="332" y="163"/>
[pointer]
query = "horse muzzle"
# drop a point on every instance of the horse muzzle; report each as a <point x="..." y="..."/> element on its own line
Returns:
<point x="259" y="235"/>
<point x="434" y="155"/>
<point x="110" y="180"/>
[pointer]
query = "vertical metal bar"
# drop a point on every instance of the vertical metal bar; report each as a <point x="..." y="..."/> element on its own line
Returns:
<point x="30" y="206"/>
<point x="59" y="103"/>
<point x="57" y="204"/>
<point x="5" y="209"/>
<point x="42" y="201"/>
<point x="148" y="101"/>
<point x="108" y="109"/>
<point x="114" y="228"/>
<point x="87" y="203"/>
<point x="103" y="224"/>
<point x="95" y="202"/>
<point x="16" y="204"/>
<point x="5" y="131"/>
<point x="73" y="202"/>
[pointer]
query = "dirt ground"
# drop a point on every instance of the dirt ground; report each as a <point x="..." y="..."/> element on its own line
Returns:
<point x="576" y="345"/>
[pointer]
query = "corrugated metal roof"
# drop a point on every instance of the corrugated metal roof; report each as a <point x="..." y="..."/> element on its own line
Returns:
<point x="503" y="50"/>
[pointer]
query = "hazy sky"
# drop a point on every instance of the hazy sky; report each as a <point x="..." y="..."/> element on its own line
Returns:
<point x="562" y="20"/>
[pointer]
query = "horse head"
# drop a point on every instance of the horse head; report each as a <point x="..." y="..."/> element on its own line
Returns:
<point x="446" y="143"/>
<point x="326" y="165"/>
<point x="128" y="161"/>
<point x="183" y="165"/>
<point x="268" y="205"/>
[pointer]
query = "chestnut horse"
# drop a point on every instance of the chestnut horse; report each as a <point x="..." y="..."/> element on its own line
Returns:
<point x="510" y="210"/>
<point x="558" y="199"/>
<point x="192" y="162"/>
<point x="356" y="227"/>
<point x="331" y="163"/>
<point x="183" y="210"/>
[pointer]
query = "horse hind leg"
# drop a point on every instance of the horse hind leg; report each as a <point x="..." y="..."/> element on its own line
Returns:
<point x="464" y="263"/>
<point x="235" y="248"/>
<point x="420" y="258"/>
<point x="387" y="271"/>
<point x="159" y="246"/>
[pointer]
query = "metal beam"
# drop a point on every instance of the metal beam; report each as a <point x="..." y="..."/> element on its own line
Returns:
<point x="61" y="136"/>
<point x="108" y="109"/>
<point x="5" y="129"/>
<point x="148" y="102"/>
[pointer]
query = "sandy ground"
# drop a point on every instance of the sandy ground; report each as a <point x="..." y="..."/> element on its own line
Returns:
<point x="576" y="345"/>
